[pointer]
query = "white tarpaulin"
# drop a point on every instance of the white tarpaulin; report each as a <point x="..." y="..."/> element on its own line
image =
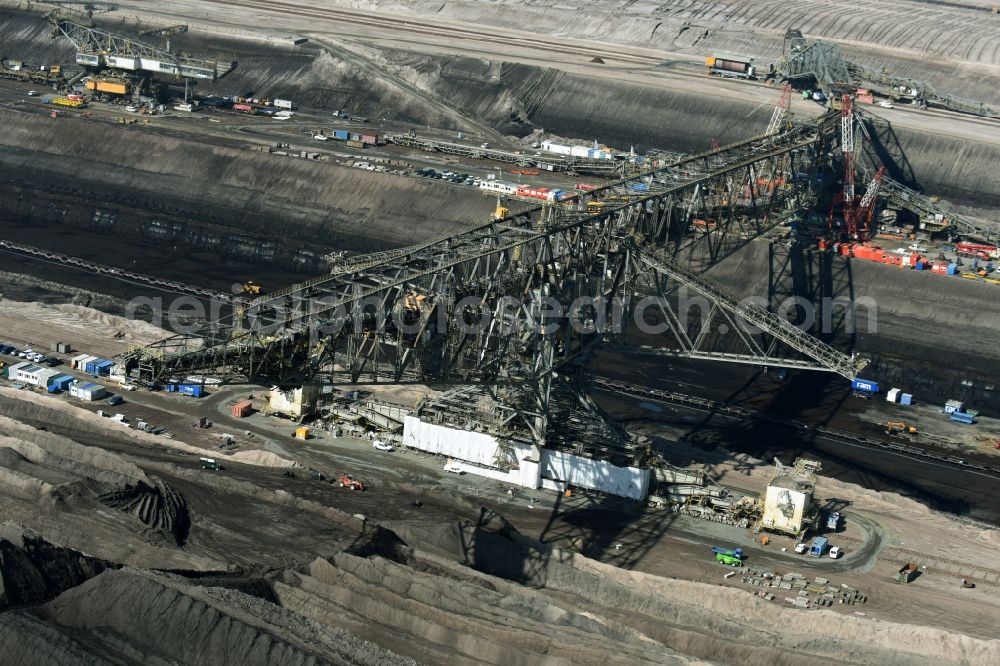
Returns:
<point x="594" y="474"/>
<point x="474" y="447"/>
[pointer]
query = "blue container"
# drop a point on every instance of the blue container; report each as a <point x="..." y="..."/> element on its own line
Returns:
<point x="193" y="390"/>
<point x="60" y="383"/>
<point x="962" y="417"/>
<point x="952" y="269"/>
<point x="640" y="187"/>
<point x="354" y="137"/>
<point x="91" y="367"/>
<point x="865" y="385"/>
<point x="906" y="399"/>
<point x="171" y="388"/>
<point x="919" y="266"/>
<point x="104" y="367"/>
<point x="340" y="134"/>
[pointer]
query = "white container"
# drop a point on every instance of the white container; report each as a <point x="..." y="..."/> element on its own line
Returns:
<point x="892" y="395"/>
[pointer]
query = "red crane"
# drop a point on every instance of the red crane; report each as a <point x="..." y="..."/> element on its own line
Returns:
<point x="781" y="110"/>
<point x="845" y="205"/>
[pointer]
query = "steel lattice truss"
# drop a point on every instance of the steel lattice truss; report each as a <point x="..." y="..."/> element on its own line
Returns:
<point x="94" y="41"/>
<point x="517" y="304"/>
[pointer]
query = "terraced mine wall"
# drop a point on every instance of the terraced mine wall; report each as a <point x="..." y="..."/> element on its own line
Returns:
<point x="256" y="206"/>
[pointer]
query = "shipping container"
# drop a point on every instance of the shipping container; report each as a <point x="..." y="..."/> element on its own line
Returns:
<point x="867" y="385"/>
<point x="193" y="390"/>
<point x="91" y="366"/>
<point x="579" y="151"/>
<point x="952" y="269"/>
<point x="242" y="409"/>
<point x="354" y="136"/>
<point x="245" y="108"/>
<point x="104" y="367"/>
<point x="370" y="139"/>
<point x="341" y="134"/>
<point x="355" y="144"/>
<point x="60" y="383"/>
<point x="283" y="104"/>
<point x="906" y="399"/>
<point x="963" y="417"/>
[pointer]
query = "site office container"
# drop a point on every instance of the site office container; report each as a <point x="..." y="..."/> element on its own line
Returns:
<point x="245" y="108"/>
<point x="370" y="139"/>
<point x="104" y="367"/>
<point x="343" y="135"/>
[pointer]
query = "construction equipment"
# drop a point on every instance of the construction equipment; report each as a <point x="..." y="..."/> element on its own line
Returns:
<point x="728" y="560"/>
<point x="736" y="553"/>
<point x="901" y="429"/>
<point x="251" y="287"/>
<point x="906" y="573"/>
<point x="348" y="481"/>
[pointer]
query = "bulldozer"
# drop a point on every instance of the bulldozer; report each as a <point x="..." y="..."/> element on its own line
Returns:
<point x="251" y="287"/>
<point x="901" y="429"/>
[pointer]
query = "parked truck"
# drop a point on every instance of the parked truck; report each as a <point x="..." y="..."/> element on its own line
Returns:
<point x="832" y="521"/>
<point x="730" y="66"/>
<point x="818" y="546"/>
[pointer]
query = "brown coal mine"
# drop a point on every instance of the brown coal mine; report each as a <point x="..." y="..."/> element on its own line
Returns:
<point x="126" y="546"/>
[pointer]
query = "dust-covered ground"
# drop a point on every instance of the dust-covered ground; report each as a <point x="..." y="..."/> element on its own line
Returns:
<point x="267" y="568"/>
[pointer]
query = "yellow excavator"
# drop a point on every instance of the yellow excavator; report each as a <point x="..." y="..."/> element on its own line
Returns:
<point x="251" y="287"/>
<point x="901" y="429"/>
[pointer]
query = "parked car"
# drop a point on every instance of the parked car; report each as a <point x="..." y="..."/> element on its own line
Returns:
<point x="835" y="552"/>
<point x="381" y="446"/>
<point x="801" y="547"/>
<point x="885" y="104"/>
<point x="454" y="467"/>
<point x="32" y="93"/>
<point x="116" y="400"/>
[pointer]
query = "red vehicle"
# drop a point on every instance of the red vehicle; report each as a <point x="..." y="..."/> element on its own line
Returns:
<point x="981" y="250"/>
<point x="584" y="187"/>
<point x="348" y="481"/>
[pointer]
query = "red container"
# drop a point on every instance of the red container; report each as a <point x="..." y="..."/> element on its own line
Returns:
<point x="242" y="409"/>
<point x="245" y="108"/>
<point x="370" y="139"/>
<point x="939" y="268"/>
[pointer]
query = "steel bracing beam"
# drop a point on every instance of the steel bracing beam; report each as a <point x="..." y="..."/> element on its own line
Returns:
<point x="751" y="319"/>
